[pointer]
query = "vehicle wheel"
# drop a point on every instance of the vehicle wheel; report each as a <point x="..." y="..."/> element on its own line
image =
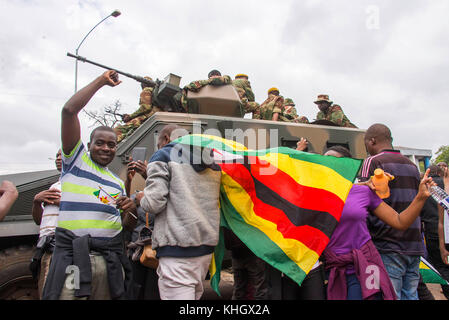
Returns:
<point x="16" y="281"/>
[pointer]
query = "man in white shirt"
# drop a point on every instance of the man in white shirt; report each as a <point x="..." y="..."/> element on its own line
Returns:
<point x="45" y="213"/>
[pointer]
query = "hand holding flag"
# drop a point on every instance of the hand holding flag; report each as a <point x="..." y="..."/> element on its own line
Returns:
<point x="126" y="205"/>
<point x="122" y="203"/>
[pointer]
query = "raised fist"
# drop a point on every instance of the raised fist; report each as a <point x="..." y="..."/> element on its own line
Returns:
<point x="110" y="78"/>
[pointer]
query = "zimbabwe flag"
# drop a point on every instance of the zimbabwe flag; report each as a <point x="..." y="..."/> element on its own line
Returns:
<point x="282" y="203"/>
<point x="429" y="273"/>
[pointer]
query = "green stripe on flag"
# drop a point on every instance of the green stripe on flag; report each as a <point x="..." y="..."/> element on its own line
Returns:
<point x="429" y="273"/>
<point x="215" y="266"/>
<point x="217" y="258"/>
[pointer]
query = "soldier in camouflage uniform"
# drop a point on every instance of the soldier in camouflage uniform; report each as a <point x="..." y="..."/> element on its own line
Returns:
<point x="333" y="113"/>
<point x="243" y="88"/>
<point x="290" y="114"/>
<point x="273" y="106"/>
<point x="215" y="79"/>
<point x="134" y="120"/>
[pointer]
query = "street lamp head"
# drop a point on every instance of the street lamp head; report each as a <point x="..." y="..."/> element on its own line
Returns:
<point x="116" y="13"/>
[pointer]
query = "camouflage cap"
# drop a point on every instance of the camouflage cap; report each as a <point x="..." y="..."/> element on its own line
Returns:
<point x="273" y="89"/>
<point x="288" y="102"/>
<point x="323" y="97"/>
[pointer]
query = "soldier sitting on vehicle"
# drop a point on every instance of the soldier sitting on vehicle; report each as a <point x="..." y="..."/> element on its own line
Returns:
<point x="273" y="106"/>
<point x="243" y="87"/>
<point x="333" y="113"/>
<point x="214" y="78"/>
<point x="134" y="120"/>
<point x="290" y="114"/>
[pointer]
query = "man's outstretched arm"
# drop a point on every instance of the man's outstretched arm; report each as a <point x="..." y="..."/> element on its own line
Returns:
<point x="8" y="195"/>
<point x="70" y="125"/>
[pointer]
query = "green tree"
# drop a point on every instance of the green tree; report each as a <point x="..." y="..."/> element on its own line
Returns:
<point x="442" y="154"/>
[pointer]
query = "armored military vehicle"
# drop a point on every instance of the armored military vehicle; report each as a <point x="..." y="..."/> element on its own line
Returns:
<point x="254" y="134"/>
<point x="19" y="234"/>
<point x="213" y="110"/>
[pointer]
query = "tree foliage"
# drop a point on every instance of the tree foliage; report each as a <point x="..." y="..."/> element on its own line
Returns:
<point x="442" y="154"/>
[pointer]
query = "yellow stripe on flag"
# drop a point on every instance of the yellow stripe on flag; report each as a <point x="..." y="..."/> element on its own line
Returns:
<point x="310" y="174"/>
<point x="230" y="143"/>
<point x="212" y="266"/>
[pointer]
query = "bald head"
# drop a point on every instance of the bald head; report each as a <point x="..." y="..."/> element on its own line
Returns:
<point x="377" y="138"/>
<point x="379" y="131"/>
<point x="169" y="133"/>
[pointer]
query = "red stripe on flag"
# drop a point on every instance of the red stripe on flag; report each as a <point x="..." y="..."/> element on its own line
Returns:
<point x="295" y="193"/>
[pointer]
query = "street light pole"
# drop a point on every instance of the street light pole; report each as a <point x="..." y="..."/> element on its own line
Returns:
<point x="114" y="14"/>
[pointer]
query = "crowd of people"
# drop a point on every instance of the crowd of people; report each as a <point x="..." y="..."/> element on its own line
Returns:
<point x="158" y="243"/>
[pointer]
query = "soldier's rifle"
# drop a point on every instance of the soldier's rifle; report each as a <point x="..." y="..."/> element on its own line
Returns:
<point x="163" y="92"/>
<point x="126" y="74"/>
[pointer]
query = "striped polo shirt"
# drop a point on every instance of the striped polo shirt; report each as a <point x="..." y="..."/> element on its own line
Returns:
<point x="403" y="189"/>
<point x="84" y="207"/>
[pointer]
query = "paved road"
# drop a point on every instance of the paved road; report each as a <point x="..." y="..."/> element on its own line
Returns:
<point x="226" y="285"/>
<point x="436" y="291"/>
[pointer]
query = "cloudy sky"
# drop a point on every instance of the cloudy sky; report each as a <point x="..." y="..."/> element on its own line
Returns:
<point x="382" y="61"/>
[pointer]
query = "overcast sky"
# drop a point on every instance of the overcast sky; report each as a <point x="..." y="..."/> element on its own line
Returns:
<point x="382" y="61"/>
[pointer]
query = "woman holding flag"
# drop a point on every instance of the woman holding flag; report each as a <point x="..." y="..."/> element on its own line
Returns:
<point x="353" y="265"/>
